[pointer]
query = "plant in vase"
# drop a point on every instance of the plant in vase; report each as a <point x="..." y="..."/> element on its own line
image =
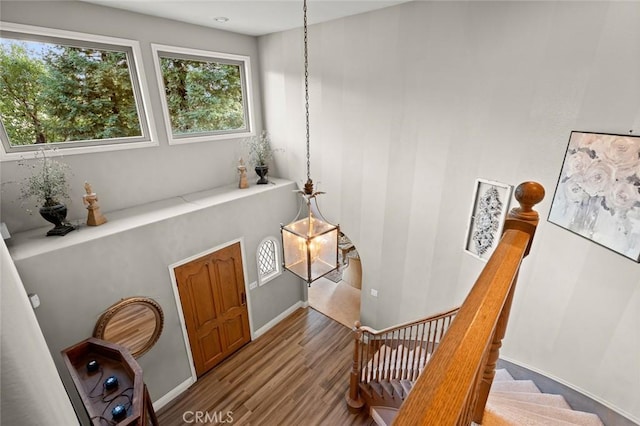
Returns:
<point x="260" y="153"/>
<point x="48" y="184"/>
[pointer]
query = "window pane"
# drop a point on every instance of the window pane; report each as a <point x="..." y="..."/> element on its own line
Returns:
<point x="52" y="92"/>
<point x="203" y="96"/>
<point x="267" y="258"/>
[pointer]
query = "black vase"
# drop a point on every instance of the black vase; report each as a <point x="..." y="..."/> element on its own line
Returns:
<point x="262" y="172"/>
<point x="56" y="214"/>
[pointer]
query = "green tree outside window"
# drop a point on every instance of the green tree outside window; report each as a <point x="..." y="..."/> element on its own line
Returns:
<point x="202" y="96"/>
<point x="51" y="93"/>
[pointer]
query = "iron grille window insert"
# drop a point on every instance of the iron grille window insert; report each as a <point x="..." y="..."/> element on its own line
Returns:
<point x="268" y="260"/>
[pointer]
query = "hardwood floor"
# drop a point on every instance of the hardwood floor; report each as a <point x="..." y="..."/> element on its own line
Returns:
<point x="295" y="374"/>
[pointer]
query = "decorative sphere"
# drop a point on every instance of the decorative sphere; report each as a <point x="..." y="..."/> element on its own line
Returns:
<point x="529" y="194"/>
<point x="111" y="383"/>
<point x="118" y="412"/>
<point x="92" y="366"/>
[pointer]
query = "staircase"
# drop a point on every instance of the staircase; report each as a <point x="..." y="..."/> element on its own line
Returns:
<point x="390" y="384"/>
<point x="520" y="402"/>
<point x="403" y="379"/>
<point x="387" y="362"/>
<point x="510" y="403"/>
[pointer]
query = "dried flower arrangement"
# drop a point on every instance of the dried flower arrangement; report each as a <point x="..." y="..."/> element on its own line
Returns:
<point x="260" y="150"/>
<point x="48" y="183"/>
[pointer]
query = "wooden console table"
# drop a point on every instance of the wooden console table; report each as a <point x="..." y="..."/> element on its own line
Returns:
<point x="112" y="360"/>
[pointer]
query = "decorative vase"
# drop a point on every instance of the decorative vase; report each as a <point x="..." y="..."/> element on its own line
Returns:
<point x="262" y="172"/>
<point x="585" y="216"/>
<point x="56" y="214"/>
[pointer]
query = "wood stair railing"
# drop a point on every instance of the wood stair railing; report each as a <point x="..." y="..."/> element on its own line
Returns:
<point x="387" y="362"/>
<point x="455" y="384"/>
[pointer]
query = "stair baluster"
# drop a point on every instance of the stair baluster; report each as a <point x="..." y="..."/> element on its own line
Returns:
<point x="383" y="359"/>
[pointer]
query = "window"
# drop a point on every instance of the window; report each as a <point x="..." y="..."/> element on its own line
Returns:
<point x="207" y="95"/>
<point x="268" y="259"/>
<point x="70" y="90"/>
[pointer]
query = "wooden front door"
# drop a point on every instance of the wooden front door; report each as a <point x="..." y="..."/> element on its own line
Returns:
<point x="214" y="304"/>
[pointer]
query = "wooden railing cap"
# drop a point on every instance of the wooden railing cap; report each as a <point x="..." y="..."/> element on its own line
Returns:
<point x="528" y="195"/>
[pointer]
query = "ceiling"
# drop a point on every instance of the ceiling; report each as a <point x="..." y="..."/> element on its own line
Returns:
<point x="252" y="17"/>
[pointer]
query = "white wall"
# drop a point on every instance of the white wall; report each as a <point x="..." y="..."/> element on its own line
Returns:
<point x="79" y="281"/>
<point x="132" y="177"/>
<point x="410" y="104"/>
<point x="31" y="391"/>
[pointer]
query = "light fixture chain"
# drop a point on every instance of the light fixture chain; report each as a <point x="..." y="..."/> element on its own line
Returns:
<point x="306" y="88"/>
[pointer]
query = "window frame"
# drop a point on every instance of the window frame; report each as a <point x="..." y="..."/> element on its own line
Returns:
<point x="263" y="279"/>
<point x="198" y="54"/>
<point x="149" y="136"/>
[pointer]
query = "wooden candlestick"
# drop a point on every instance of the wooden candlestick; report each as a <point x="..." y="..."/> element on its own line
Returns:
<point x="90" y="199"/>
<point x="242" y="169"/>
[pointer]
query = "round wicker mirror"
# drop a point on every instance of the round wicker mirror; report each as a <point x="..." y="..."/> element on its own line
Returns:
<point x="135" y="323"/>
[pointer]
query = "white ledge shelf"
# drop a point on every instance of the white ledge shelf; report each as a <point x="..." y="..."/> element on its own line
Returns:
<point x="34" y="242"/>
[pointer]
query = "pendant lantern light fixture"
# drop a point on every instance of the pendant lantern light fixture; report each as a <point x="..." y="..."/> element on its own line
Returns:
<point x="310" y="242"/>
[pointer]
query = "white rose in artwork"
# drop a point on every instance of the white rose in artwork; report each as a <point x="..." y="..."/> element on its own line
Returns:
<point x="623" y="196"/>
<point x="577" y="163"/>
<point x="589" y="141"/>
<point x="622" y="151"/>
<point x="597" y="178"/>
<point x="574" y="192"/>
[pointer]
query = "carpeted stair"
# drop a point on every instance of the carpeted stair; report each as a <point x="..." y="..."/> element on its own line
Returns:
<point x="520" y="402"/>
<point x="511" y="403"/>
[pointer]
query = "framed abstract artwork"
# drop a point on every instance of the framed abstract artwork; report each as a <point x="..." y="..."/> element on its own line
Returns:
<point x="598" y="191"/>
<point x="488" y="210"/>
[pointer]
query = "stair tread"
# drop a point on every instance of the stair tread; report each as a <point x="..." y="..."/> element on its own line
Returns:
<point x="515" y="386"/>
<point x="532" y="397"/>
<point x="387" y="388"/>
<point x="407" y="385"/>
<point x="502" y="375"/>
<point x="377" y="388"/>
<point x="511" y="416"/>
<point x="383" y="416"/>
<point x="514" y="410"/>
<point x="397" y="389"/>
<point x="366" y="388"/>
<point x="564" y="414"/>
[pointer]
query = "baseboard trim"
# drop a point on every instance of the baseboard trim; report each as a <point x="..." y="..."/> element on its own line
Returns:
<point x="172" y="394"/>
<point x="268" y="326"/>
<point x="577" y="398"/>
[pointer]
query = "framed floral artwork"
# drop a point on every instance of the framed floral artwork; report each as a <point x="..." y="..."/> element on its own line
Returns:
<point x="488" y="210"/>
<point x="598" y="191"/>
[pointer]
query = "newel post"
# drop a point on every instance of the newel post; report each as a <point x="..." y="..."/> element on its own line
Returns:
<point x="524" y="219"/>
<point x="354" y="402"/>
